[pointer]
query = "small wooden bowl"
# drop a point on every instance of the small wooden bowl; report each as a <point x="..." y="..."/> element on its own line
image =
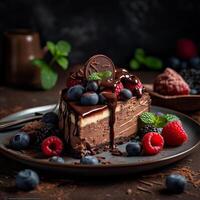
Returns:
<point x="183" y="103"/>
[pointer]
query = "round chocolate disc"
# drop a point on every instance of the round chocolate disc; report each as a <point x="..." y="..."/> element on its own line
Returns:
<point x="99" y="63"/>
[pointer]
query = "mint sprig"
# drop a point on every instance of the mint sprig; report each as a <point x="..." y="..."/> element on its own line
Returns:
<point x="157" y="120"/>
<point x="59" y="52"/>
<point x="170" y="117"/>
<point x="99" y="76"/>
<point x="140" y="59"/>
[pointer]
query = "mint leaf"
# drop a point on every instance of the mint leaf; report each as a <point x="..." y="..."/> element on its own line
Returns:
<point x="51" y="47"/>
<point x="63" y="48"/>
<point x="134" y="64"/>
<point x="153" y="63"/>
<point x="160" y="121"/>
<point x="39" y="63"/>
<point x="63" y="62"/>
<point x="140" y="55"/>
<point x="48" y="78"/>
<point x="96" y="76"/>
<point x="170" y="117"/>
<point x="148" y="118"/>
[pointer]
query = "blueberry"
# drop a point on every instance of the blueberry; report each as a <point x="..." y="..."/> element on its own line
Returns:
<point x="20" y="141"/>
<point x="195" y="62"/>
<point x="89" y="98"/>
<point x="125" y="94"/>
<point x="175" y="183"/>
<point x="193" y="91"/>
<point x="183" y="65"/>
<point x="74" y="93"/>
<point x="92" y="86"/>
<point x="133" y="149"/>
<point x="56" y="159"/>
<point x="102" y="99"/>
<point x="27" y="179"/>
<point x="173" y="62"/>
<point x="89" y="160"/>
<point x="50" y="118"/>
<point x="159" y="113"/>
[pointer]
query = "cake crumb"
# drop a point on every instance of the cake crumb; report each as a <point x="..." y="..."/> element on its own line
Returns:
<point x="129" y="191"/>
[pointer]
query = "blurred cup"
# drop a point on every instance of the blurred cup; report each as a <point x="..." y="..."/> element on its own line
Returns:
<point x="21" y="46"/>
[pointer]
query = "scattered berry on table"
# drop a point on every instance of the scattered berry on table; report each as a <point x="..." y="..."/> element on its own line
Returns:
<point x="125" y="94"/>
<point x="27" y="179"/>
<point x="52" y="146"/>
<point x="148" y="128"/>
<point x="118" y="88"/>
<point x="57" y="159"/>
<point x="133" y="149"/>
<point x="186" y="49"/>
<point x="92" y="86"/>
<point x="176" y="183"/>
<point x="89" y="98"/>
<point x="152" y="143"/>
<point x="174" y="134"/>
<point x="89" y="160"/>
<point x="50" y="118"/>
<point x="20" y="141"/>
<point x="74" y="93"/>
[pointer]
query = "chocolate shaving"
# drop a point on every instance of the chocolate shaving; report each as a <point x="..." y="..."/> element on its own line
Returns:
<point x="144" y="189"/>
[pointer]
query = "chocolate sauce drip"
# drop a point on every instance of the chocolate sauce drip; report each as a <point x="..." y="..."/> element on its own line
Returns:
<point x="112" y="104"/>
<point x="95" y="64"/>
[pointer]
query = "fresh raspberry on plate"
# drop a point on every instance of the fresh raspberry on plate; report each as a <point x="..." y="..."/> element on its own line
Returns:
<point x="52" y="146"/>
<point x="152" y="143"/>
<point x="174" y="134"/>
<point x="72" y="82"/>
<point x="118" y="88"/>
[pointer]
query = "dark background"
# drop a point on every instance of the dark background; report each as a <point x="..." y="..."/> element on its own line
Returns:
<point x="113" y="27"/>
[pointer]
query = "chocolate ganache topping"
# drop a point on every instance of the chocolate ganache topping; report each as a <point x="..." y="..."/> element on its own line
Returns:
<point x="108" y="88"/>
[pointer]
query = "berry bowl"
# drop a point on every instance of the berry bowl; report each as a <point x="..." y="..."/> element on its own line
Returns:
<point x="183" y="103"/>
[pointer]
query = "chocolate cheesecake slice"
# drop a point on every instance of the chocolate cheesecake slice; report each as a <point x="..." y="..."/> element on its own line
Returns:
<point x="88" y="128"/>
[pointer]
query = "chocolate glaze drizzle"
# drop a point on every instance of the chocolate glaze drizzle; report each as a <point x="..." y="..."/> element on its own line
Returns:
<point x="95" y="63"/>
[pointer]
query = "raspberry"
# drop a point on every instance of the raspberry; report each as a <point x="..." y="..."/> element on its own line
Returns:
<point x="152" y="143"/>
<point x="52" y="146"/>
<point x="72" y="82"/>
<point x="171" y="83"/>
<point x="186" y="49"/>
<point x="119" y="86"/>
<point x="174" y="134"/>
<point x="135" y="88"/>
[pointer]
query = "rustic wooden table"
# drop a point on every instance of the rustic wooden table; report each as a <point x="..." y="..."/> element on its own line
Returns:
<point x="142" y="186"/>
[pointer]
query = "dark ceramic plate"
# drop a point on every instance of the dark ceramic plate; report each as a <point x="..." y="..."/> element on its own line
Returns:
<point x="118" y="165"/>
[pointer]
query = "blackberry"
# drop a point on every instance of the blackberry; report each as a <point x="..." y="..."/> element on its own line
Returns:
<point x="45" y="132"/>
<point x="149" y="128"/>
<point x="50" y="118"/>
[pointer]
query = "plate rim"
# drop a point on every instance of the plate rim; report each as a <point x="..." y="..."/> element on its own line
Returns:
<point x="41" y="163"/>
